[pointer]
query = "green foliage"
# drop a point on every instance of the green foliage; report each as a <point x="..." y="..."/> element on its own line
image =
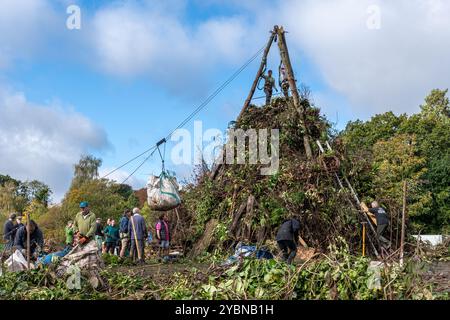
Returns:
<point x="276" y="209"/>
<point x="16" y="195"/>
<point x="114" y="261"/>
<point x="106" y="198"/>
<point x="382" y="143"/>
<point x="86" y="169"/>
<point x="337" y="275"/>
<point x="43" y="284"/>
<point x="254" y="279"/>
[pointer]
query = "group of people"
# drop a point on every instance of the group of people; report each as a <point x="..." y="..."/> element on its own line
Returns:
<point x="269" y="83"/>
<point x="128" y="238"/>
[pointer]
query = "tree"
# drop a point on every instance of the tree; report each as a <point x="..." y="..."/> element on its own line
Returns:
<point x="431" y="131"/>
<point x="396" y="160"/>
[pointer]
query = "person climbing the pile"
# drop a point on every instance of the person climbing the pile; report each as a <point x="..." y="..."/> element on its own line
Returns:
<point x="381" y="219"/>
<point x="84" y="224"/>
<point x="36" y="239"/>
<point x="163" y="235"/>
<point x="287" y="239"/>
<point x="269" y="85"/>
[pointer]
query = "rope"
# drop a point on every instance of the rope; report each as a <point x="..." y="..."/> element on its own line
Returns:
<point x="142" y="163"/>
<point x="123" y="165"/>
<point x="190" y="116"/>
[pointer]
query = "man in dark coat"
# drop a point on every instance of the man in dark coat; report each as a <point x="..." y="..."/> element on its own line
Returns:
<point x="287" y="239"/>
<point x="382" y="222"/>
<point x="36" y="238"/>
<point x="9" y="230"/>
<point x="137" y="230"/>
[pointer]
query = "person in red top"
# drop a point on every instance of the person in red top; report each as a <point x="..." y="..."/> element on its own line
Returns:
<point x="163" y="235"/>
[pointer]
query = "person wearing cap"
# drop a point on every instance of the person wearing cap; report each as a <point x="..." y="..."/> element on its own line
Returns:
<point x="84" y="224"/>
<point x="9" y="230"/>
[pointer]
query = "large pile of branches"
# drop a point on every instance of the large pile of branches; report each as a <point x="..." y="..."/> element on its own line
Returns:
<point x="234" y="202"/>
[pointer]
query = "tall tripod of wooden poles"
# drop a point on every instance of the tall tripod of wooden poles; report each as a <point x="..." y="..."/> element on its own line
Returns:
<point x="278" y="34"/>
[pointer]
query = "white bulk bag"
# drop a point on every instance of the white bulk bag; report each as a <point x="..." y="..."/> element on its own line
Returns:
<point x="162" y="192"/>
<point x="17" y="262"/>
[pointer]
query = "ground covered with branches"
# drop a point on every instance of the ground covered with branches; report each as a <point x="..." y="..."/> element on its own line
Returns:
<point x="335" y="275"/>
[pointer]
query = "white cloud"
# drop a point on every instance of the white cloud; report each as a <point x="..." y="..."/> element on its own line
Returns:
<point x="392" y="68"/>
<point x="25" y="27"/>
<point x="131" y="40"/>
<point x="43" y="142"/>
<point x="119" y="176"/>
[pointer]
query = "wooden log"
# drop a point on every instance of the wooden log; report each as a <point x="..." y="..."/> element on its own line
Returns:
<point x="250" y="205"/>
<point x="302" y="242"/>
<point x="237" y="216"/>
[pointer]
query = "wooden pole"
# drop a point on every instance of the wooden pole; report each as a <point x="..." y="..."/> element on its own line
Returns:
<point x="28" y="241"/>
<point x="258" y="74"/>
<point x="402" y="237"/>
<point x="284" y="53"/>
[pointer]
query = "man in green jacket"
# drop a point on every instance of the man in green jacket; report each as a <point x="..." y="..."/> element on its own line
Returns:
<point x="84" y="224"/>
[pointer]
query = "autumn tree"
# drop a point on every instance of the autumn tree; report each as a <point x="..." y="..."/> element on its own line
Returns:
<point x="430" y="131"/>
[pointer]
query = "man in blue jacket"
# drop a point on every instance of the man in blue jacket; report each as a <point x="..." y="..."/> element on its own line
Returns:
<point x="138" y="233"/>
<point x="287" y="239"/>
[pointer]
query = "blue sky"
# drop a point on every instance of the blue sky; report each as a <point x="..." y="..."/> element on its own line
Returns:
<point x="137" y="68"/>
